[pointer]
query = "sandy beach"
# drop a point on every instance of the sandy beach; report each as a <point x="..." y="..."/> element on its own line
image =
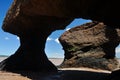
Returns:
<point x="2" y="58"/>
<point x="56" y="61"/>
<point x="63" y="73"/>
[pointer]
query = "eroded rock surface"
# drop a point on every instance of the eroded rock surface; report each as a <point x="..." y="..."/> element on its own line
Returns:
<point x="27" y="18"/>
<point x="33" y="31"/>
<point x="90" y="45"/>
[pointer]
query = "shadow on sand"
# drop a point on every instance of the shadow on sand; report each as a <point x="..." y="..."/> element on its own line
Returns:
<point x="66" y="75"/>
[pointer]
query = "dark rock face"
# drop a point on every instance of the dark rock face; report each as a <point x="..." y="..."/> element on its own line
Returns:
<point x="33" y="31"/>
<point x="114" y="75"/>
<point x="90" y="45"/>
<point x="31" y="55"/>
<point x="25" y="10"/>
<point x="32" y="18"/>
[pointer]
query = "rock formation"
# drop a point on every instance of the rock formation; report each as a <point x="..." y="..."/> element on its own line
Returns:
<point x="34" y="20"/>
<point x="90" y="45"/>
<point x="33" y="31"/>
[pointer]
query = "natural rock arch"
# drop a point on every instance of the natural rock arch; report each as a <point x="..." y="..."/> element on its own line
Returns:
<point x="30" y="18"/>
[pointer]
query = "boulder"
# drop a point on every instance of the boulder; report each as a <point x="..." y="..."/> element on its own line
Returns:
<point x="90" y="45"/>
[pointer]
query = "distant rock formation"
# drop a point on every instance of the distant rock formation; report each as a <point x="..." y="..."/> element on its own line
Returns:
<point x="90" y="45"/>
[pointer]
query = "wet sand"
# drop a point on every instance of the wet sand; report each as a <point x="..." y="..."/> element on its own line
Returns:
<point x="62" y="74"/>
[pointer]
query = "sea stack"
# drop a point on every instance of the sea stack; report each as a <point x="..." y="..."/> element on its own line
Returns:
<point x="91" y="45"/>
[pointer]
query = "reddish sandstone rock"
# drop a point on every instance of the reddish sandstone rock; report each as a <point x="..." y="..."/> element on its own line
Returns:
<point x="90" y="45"/>
<point x="23" y="19"/>
<point x="34" y="20"/>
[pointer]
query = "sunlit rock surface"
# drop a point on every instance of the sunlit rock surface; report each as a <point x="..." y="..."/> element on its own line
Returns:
<point x="90" y="45"/>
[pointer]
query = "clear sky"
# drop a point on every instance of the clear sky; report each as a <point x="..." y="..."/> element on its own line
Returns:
<point x="9" y="43"/>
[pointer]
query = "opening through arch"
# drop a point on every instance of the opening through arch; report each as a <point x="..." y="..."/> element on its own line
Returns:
<point x="53" y="47"/>
<point x="117" y="50"/>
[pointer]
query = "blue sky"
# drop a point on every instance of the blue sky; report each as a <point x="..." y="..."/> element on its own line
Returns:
<point x="9" y="43"/>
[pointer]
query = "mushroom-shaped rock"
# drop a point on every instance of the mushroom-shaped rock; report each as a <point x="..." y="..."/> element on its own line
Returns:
<point x="33" y="30"/>
<point x="90" y="45"/>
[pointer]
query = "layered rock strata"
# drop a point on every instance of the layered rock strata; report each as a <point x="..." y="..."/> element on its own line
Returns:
<point x="91" y="45"/>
